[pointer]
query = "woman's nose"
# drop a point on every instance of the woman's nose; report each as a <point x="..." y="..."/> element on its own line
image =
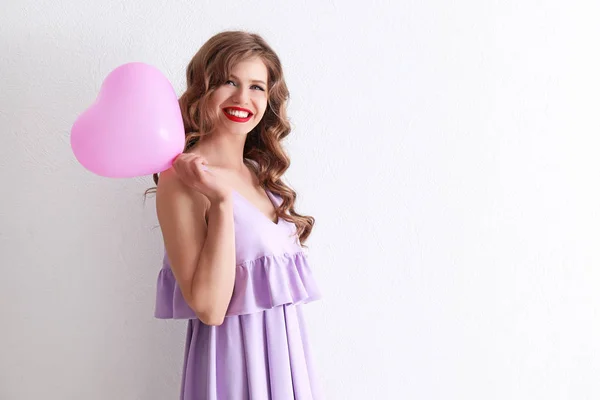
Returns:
<point x="241" y="96"/>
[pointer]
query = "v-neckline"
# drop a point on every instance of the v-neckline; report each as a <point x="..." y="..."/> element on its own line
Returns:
<point x="269" y="196"/>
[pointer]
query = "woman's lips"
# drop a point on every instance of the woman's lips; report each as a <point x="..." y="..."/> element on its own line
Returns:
<point x="237" y="119"/>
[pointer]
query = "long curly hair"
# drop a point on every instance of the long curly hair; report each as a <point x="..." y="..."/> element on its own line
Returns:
<point x="210" y="68"/>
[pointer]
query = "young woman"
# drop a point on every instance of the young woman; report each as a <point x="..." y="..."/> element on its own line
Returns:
<point x="234" y="264"/>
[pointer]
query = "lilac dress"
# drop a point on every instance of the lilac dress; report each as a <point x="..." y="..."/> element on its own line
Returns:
<point x="261" y="351"/>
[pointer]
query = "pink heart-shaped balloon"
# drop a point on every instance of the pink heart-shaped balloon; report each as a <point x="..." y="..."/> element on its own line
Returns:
<point x="135" y="126"/>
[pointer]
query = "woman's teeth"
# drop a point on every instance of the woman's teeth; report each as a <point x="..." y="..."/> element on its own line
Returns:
<point x="236" y="113"/>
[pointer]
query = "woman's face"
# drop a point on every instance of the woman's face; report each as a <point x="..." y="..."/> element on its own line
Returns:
<point x="244" y="95"/>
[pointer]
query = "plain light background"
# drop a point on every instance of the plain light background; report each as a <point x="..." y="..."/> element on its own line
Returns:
<point x="448" y="151"/>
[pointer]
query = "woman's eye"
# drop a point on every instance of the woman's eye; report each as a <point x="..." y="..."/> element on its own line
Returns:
<point x="259" y="88"/>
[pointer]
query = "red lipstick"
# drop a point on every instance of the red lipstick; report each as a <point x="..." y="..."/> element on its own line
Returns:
<point x="237" y="119"/>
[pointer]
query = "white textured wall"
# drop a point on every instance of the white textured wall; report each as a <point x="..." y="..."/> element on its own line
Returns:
<point x="448" y="151"/>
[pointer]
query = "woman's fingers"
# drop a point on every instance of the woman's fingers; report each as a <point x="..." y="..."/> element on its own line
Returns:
<point x="189" y="168"/>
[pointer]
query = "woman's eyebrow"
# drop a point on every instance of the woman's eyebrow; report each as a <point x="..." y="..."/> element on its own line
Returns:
<point x="254" y="80"/>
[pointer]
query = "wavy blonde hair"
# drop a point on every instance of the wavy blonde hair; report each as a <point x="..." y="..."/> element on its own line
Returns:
<point x="210" y="68"/>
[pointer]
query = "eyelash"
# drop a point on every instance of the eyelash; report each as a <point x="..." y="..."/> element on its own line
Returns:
<point x="252" y="85"/>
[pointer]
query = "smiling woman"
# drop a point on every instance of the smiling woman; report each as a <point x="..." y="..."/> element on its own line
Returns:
<point x="234" y="264"/>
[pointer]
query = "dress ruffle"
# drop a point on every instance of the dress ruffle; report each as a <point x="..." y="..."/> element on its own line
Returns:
<point x="260" y="284"/>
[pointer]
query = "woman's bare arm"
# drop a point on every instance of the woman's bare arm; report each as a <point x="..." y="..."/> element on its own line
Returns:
<point x="200" y="244"/>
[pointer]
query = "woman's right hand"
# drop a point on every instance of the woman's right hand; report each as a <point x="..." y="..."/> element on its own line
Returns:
<point x="192" y="171"/>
